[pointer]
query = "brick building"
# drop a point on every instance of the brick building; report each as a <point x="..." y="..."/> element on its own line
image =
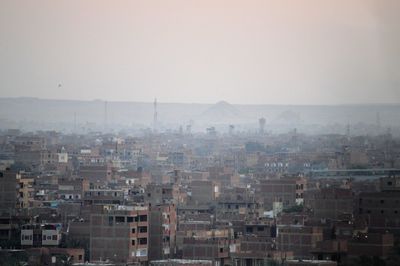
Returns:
<point x="299" y="239"/>
<point x="120" y="234"/>
<point x="38" y="235"/>
<point x="288" y="190"/>
<point x="330" y="203"/>
<point x="163" y="226"/>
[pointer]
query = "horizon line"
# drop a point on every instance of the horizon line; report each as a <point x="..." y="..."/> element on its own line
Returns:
<point x="201" y="103"/>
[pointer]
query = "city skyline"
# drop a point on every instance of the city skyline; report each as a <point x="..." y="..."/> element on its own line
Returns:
<point x="200" y="133"/>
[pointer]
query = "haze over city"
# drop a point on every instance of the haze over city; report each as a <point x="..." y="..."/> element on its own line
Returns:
<point x="200" y="133"/>
<point x="243" y="52"/>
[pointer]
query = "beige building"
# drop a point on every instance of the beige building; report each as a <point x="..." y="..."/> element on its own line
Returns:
<point x="26" y="191"/>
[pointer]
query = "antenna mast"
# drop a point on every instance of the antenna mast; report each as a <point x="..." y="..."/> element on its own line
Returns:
<point x="155" y="116"/>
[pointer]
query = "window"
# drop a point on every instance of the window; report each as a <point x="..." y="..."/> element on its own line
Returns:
<point x="110" y="220"/>
<point x="80" y="257"/>
<point x="143" y="218"/>
<point x="142" y="241"/>
<point x="129" y="219"/>
<point x="48" y="237"/>
<point x="221" y="250"/>
<point x="260" y="228"/>
<point x="120" y="219"/>
<point x="133" y="230"/>
<point x="54" y="237"/>
<point x="389" y="183"/>
<point x="44" y="237"/>
<point x="249" y="229"/>
<point x="133" y="242"/>
<point x="143" y="229"/>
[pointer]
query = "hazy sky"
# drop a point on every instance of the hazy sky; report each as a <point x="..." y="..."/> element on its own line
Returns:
<point x="283" y="52"/>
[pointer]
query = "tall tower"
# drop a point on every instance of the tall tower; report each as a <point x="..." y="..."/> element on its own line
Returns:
<point x="378" y="121"/>
<point x="155" y="115"/>
<point x="261" y="123"/>
<point x="231" y="129"/>
<point x="105" y="115"/>
<point x="188" y="129"/>
<point x="348" y="131"/>
<point x="74" y="122"/>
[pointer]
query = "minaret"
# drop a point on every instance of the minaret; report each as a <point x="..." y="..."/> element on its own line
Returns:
<point x="155" y="116"/>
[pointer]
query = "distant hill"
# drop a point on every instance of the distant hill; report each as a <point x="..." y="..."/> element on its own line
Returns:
<point x="219" y="113"/>
<point x="33" y="113"/>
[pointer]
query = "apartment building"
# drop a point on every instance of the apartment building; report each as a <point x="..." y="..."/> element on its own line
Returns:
<point x="299" y="239"/>
<point x="288" y="190"/>
<point x="120" y="234"/>
<point x="163" y="227"/>
<point x="38" y="235"/>
<point x="103" y="196"/>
